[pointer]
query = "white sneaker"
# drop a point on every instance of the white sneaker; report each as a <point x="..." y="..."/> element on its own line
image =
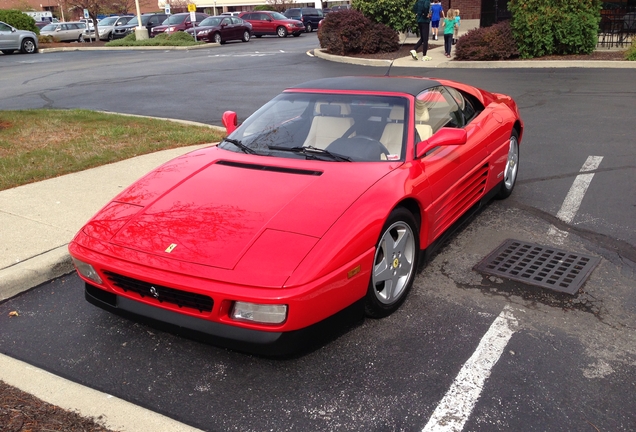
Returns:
<point x="413" y="54"/>
<point x="427" y="58"/>
<point x="435" y="37"/>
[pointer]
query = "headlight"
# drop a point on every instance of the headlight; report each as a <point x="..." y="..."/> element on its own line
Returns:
<point x="203" y="32"/>
<point x="259" y="313"/>
<point x="87" y="270"/>
<point x="169" y="29"/>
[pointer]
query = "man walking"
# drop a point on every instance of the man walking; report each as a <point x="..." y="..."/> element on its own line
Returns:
<point x="421" y="9"/>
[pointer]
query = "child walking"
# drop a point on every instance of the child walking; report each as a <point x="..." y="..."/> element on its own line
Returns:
<point x="437" y="13"/>
<point x="457" y="22"/>
<point x="449" y="28"/>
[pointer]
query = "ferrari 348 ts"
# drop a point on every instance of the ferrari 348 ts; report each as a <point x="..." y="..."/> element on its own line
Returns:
<point x="316" y="209"/>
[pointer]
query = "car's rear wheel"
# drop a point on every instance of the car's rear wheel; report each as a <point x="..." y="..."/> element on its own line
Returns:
<point x="28" y="46"/>
<point x="281" y="32"/>
<point x="309" y="28"/>
<point x="246" y="36"/>
<point x="217" y="38"/>
<point x="512" y="167"/>
<point x="7" y="52"/>
<point x="394" y="264"/>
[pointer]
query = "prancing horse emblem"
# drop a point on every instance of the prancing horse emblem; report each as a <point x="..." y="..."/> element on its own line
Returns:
<point x="154" y="292"/>
<point x="171" y="247"/>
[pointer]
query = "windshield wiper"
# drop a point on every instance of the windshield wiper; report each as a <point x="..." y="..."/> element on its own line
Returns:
<point x="240" y="145"/>
<point x="312" y="152"/>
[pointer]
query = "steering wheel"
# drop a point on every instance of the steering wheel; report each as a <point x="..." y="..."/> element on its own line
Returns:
<point x="383" y="149"/>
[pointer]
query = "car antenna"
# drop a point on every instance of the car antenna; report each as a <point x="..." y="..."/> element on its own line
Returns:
<point x="391" y="65"/>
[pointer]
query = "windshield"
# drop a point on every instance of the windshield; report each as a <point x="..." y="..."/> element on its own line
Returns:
<point x="108" y="21"/>
<point x="212" y="21"/>
<point x="49" y="27"/>
<point x="278" y="16"/>
<point x="175" y="19"/>
<point x="359" y="128"/>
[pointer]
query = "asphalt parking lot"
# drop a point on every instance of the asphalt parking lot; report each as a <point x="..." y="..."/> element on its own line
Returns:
<point x="567" y="362"/>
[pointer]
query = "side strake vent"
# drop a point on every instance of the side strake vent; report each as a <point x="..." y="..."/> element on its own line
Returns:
<point x="259" y="167"/>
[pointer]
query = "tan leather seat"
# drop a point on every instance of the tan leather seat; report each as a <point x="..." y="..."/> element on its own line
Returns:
<point x="393" y="134"/>
<point x="330" y="122"/>
<point x="424" y="130"/>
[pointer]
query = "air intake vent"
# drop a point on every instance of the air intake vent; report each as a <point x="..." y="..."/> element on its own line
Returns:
<point x="270" y="168"/>
<point x="161" y="293"/>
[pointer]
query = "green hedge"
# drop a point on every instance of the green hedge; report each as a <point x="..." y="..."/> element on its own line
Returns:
<point x="395" y="14"/>
<point x="18" y="20"/>
<point x="175" y="39"/>
<point x="546" y="27"/>
<point x="630" y="54"/>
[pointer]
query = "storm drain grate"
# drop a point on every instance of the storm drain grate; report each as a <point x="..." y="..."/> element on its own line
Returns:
<point x="547" y="267"/>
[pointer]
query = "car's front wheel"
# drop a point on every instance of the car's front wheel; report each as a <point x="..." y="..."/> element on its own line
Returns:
<point x="394" y="264"/>
<point x="110" y="36"/>
<point x="246" y="36"/>
<point x="281" y="32"/>
<point x="80" y="38"/>
<point x="217" y="38"/>
<point x="28" y="46"/>
<point x="512" y="167"/>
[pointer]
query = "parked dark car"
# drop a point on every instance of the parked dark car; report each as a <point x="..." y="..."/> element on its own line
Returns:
<point x="220" y="29"/>
<point x="340" y="7"/>
<point x="177" y="22"/>
<point x="309" y="16"/>
<point x="149" y="21"/>
<point x="272" y="23"/>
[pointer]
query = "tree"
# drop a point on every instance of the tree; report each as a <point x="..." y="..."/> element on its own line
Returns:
<point x="99" y="7"/>
<point x="279" y="5"/>
<point x="396" y="14"/>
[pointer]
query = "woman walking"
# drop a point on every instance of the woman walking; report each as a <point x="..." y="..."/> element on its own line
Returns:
<point x="421" y="9"/>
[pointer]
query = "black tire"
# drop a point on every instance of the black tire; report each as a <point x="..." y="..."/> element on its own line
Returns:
<point x="394" y="264"/>
<point x="28" y="46"/>
<point x="110" y="36"/>
<point x="217" y="38"/>
<point x="296" y="34"/>
<point x="80" y="38"/>
<point x="308" y="28"/>
<point x="246" y="36"/>
<point x="7" y="52"/>
<point x="281" y="32"/>
<point x="258" y="36"/>
<point x="511" y="171"/>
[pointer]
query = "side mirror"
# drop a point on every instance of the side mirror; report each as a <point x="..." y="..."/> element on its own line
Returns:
<point x="443" y="137"/>
<point x="230" y="121"/>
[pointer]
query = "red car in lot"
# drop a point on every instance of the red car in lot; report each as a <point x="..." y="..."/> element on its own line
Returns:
<point x="177" y="22"/>
<point x="220" y="29"/>
<point x="313" y="212"/>
<point x="272" y="23"/>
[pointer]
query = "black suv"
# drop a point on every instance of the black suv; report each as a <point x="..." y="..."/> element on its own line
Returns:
<point x="309" y="16"/>
<point x="148" y="20"/>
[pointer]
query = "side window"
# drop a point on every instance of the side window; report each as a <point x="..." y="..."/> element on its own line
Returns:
<point x="4" y="27"/>
<point x="468" y="105"/>
<point x="435" y="108"/>
<point x="226" y="21"/>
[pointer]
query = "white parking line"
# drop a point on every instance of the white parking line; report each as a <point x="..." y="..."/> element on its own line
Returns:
<point x="455" y="408"/>
<point x="574" y="197"/>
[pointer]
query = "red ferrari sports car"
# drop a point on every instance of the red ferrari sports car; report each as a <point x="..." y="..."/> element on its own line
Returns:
<point x="315" y="210"/>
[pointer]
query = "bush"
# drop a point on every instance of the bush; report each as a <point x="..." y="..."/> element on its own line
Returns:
<point x="630" y="54"/>
<point x="175" y="39"/>
<point x="45" y="39"/>
<point x="19" y="20"/>
<point x="349" y="32"/>
<point x="546" y="27"/>
<point x="395" y="14"/>
<point x="487" y="43"/>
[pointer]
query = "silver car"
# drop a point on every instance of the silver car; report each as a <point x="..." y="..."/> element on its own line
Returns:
<point x="66" y="32"/>
<point x="106" y="26"/>
<point x="12" y="39"/>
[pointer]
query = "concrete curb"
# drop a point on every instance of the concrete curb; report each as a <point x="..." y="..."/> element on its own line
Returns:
<point x="184" y="122"/>
<point x="134" y="48"/>
<point x="112" y="412"/>
<point x="500" y="64"/>
<point x="35" y="271"/>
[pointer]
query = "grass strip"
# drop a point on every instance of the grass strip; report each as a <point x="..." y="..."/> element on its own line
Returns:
<point x="39" y="144"/>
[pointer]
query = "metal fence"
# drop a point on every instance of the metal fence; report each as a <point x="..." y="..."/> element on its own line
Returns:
<point x="617" y="28"/>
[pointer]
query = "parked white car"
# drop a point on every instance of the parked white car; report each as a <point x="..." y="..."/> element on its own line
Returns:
<point x="12" y="39"/>
<point x="107" y="26"/>
<point x="66" y="32"/>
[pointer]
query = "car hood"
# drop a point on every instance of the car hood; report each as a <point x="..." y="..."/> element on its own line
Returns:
<point x="236" y="204"/>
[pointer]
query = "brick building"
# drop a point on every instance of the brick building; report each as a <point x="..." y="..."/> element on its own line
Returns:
<point x="55" y="6"/>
